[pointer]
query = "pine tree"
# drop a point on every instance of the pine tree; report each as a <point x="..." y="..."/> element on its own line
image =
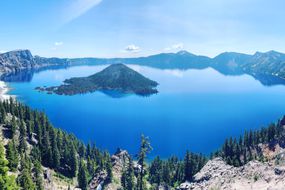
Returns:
<point x="188" y="171"/>
<point x="145" y="148"/>
<point x="6" y="182"/>
<point x="109" y="169"/>
<point x="127" y="179"/>
<point x="73" y="161"/>
<point x="25" y="178"/>
<point x="82" y="175"/>
<point x="12" y="155"/>
<point x="38" y="175"/>
<point x="22" y="138"/>
<point x="155" y="171"/>
<point x="13" y="126"/>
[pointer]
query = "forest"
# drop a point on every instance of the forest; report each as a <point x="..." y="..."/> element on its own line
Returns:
<point x="33" y="143"/>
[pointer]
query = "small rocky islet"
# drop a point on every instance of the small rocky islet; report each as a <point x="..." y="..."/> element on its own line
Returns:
<point x="116" y="77"/>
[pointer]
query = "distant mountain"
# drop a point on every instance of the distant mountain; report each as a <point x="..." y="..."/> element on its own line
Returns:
<point x="230" y="63"/>
<point x="268" y="63"/>
<point x="116" y="77"/>
<point x="260" y="65"/>
<point x="23" y="59"/>
<point x="179" y="60"/>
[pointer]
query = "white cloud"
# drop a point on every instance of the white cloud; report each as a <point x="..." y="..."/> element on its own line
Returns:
<point x="178" y="46"/>
<point x="58" y="43"/>
<point x="78" y="8"/>
<point x="132" y="48"/>
<point x="3" y="51"/>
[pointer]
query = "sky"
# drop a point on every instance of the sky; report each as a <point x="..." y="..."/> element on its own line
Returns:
<point x="132" y="28"/>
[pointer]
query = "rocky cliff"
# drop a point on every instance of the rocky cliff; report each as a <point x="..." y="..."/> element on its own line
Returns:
<point x="217" y="175"/>
<point x="23" y="59"/>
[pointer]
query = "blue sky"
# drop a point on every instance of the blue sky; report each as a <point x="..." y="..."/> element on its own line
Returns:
<point x="130" y="28"/>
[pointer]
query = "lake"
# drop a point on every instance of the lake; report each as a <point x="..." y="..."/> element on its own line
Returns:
<point x="194" y="109"/>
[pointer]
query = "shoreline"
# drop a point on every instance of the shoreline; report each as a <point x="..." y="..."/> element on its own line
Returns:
<point x="4" y="89"/>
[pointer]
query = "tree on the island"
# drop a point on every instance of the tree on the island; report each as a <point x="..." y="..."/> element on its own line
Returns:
<point x="145" y="148"/>
<point x="82" y="175"/>
<point x="6" y="182"/>
<point x="12" y="155"/>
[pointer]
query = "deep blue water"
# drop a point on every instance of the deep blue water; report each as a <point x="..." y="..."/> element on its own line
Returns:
<point x="195" y="109"/>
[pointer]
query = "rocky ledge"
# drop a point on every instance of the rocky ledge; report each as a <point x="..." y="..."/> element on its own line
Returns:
<point x="217" y="175"/>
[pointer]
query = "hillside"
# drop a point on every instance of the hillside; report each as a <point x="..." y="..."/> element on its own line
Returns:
<point x="43" y="157"/>
<point x="116" y="77"/>
<point x="39" y="156"/>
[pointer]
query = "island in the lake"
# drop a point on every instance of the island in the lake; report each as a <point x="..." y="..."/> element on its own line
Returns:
<point x="117" y="77"/>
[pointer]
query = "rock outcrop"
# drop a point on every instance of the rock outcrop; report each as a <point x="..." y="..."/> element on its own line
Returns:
<point x="16" y="60"/>
<point x="217" y="175"/>
<point x="23" y="59"/>
<point x="119" y="160"/>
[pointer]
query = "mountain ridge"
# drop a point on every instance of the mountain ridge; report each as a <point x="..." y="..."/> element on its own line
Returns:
<point x="270" y="63"/>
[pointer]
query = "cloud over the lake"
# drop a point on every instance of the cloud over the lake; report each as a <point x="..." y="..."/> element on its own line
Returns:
<point x="132" y="48"/>
<point x="56" y="45"/>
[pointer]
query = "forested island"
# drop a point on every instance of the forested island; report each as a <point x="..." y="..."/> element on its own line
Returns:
<point x="116" y="77"/>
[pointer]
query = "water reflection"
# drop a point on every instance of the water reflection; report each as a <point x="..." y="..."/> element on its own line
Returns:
<point x="27" y="75"/>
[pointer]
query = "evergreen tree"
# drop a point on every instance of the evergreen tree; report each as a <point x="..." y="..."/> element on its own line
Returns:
<point x="109" y="169"/>
<point x="12" y="155"/>
<point x="127" y="179"/>
<point x="25" y="178"/>
<point x="6" y="182"/>
<point x="145" y="148"/>
<point x="188" y="167"/>
<point x="82" y="175"/>
<point x="155" y="171"/>
<point x="38" y="175"/>
<point x="73" y="161"/>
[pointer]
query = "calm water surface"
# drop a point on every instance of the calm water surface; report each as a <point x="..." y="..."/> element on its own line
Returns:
<point x="195" y="109"/>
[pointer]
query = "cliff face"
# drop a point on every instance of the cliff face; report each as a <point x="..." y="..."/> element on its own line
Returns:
<point x="23" y="59"/>
<point x="15" y="60"/>
<point x="217" y="175"/>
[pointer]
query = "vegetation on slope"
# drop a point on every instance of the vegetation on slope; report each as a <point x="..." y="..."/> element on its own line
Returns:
<point x="116" y="77"/>
<point x="31" y="143"/>
<point x="238" y="152"/>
